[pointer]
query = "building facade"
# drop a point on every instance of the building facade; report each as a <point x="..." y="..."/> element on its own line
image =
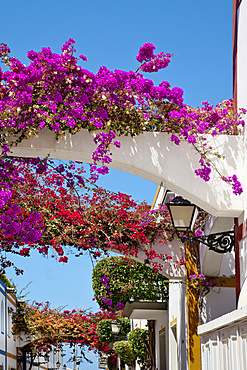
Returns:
<point x="11" y="353"/>
<point x="224" y="337"/>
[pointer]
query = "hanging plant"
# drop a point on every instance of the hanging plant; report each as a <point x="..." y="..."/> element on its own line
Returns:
<point x="117" y="280"/>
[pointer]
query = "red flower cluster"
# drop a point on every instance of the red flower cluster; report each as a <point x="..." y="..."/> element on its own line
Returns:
<point x="87" y="220"/>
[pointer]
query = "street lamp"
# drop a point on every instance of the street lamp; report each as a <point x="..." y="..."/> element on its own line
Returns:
<point x="184" y="214"/>
<point x="115" y="327"/>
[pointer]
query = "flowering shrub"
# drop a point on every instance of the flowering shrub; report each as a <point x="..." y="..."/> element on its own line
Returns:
<point x="46" y="327"/>
<point x="57" y="214"/>
<point x="111" y="361"/>
<point x="139" y="344"/>
<point x="117" y="280"/>
<point x="124" y="352"/>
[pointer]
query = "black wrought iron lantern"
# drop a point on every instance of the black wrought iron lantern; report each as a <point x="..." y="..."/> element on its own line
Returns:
<point x="184" y="214"/>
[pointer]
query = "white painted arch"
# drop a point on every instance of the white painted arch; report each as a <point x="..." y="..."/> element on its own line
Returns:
<point x="170" y="268"/>
<point x="154" y="157"/>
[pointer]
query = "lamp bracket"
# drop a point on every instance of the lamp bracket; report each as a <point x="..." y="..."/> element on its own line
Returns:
<point x="219" y="242"/>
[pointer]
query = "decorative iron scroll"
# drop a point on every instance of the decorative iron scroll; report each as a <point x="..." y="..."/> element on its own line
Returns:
<point x="219" y="242"/>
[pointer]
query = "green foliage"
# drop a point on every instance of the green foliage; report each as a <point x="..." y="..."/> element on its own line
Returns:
<point x="139" y="344"/>
<point x="6" y="281"/>
<point x="124" y="352"/>
<point x="105" y="333"/>
<point x="126" y="280"/>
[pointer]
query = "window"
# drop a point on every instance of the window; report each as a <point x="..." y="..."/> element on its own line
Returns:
<point x="162" y="344"/>
<point x="9" y="323"/>
<point x="174" y="347"/>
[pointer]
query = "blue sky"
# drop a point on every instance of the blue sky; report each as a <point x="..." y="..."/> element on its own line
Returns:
<point x="110" y="33"/>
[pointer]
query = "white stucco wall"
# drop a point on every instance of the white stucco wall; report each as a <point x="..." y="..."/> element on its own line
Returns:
<point x="224" y="338"/>
<point x="219" y="301"/>
<point x="242" y="74"/>
<point x="170" y="268"/>
<point x="242" y="56"/>
<point x="7" y="340"/>
<point x="243" y="260"/>
<point x="242" y="79"/>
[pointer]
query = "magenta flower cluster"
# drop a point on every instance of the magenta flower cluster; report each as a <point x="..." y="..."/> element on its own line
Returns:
<point x="28" y="230"/>
<point x="107" y="300"/>
<point x="236" y="185"/>
<point x="150" y="62"/>
<point x="16" y="227"/>
<point x="202" y="280"/>
<point x="54" y="92"/>
<point x="20" y="225"/>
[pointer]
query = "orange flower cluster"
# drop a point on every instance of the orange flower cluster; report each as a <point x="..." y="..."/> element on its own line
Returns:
<point x="44" y="327"/>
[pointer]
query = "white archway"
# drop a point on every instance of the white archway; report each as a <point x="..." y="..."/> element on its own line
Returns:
<point x="154" y="157"/>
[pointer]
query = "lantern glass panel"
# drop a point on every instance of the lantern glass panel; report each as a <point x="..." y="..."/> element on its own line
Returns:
<point x="115" y="327"/>
<point x="183" y="216"/>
